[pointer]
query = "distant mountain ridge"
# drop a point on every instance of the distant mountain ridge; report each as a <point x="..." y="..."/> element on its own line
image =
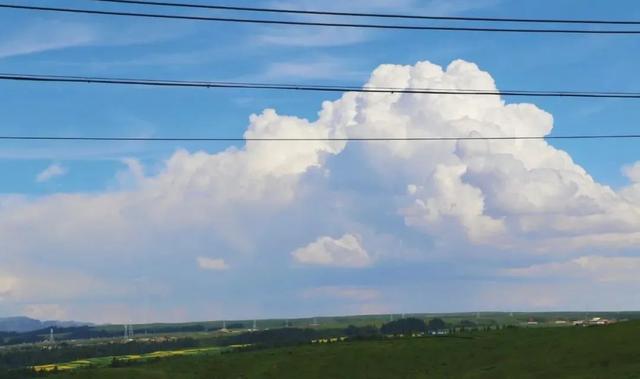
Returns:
<point x="25" y="324"/>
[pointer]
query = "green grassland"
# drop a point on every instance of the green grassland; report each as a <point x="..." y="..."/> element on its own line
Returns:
<point x="573" y="352"/>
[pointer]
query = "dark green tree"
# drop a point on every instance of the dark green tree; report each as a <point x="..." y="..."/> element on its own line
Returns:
<point x="404" y="326"/>
<point x="362" y="332"/>
<point x="436" y="324"/>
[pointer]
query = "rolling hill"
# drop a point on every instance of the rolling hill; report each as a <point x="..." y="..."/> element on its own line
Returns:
<point x="570" y="352"/>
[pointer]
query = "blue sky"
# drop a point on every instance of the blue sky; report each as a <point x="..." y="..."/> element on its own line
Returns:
<point x="133" y="277"/>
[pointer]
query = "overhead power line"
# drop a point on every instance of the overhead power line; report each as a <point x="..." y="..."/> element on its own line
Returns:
<point x="307" y="23"/>
<point x="311" y="87"/>
<point x="328" y="139"/>
<point x="377" y="15"/>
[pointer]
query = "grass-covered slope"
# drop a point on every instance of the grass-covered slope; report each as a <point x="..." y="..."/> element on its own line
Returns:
<point x="597" y="352"/>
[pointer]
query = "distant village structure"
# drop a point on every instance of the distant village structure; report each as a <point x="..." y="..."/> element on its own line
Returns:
<point x="593" y="321"/>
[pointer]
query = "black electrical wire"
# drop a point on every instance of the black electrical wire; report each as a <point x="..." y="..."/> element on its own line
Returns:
<point x="375" y="15"/>
<point x="327" y="139"/>
<point x="325" y="24"/>
<point x="310" y="87"/>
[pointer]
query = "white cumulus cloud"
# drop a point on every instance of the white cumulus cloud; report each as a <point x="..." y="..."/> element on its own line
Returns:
<point x="262" y="200"/>
<point x="326" y="251"/>
<point x="497" y="193"/>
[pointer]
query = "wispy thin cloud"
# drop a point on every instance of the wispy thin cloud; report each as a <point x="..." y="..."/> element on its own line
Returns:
<point x="341" y="292"/>
<point x="313" y="38"/>
<point x="334" y="37"/>
<point x="45" y="36"/>
<point x="317" y="68"/>
<point x="212" y="264"/>
<point x="53" y="171"/>
<point x="427" y="7"/>
<point x="354" y="5"/>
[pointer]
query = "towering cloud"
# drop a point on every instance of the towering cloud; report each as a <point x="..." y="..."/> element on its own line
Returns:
<point x="265" y="200"/>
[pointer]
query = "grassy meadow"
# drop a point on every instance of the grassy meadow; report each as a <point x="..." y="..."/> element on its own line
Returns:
<point x="573" y="352"/>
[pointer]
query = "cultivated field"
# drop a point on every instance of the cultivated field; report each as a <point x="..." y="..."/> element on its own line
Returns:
<point x="92" y="363"/>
